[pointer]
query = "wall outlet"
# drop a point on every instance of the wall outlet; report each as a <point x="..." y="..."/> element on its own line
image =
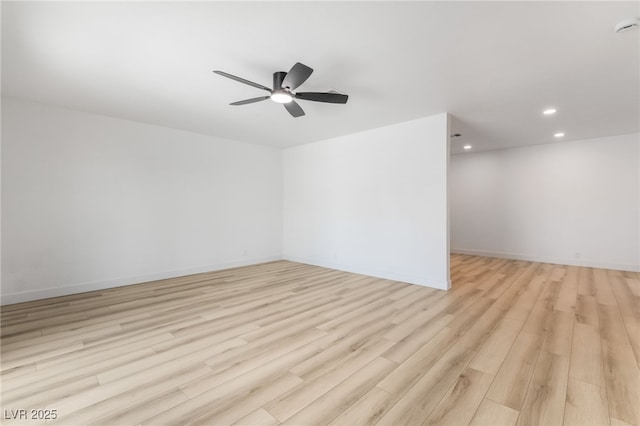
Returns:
<point x="577" y="255"/>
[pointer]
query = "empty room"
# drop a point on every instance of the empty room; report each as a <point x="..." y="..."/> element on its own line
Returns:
<point x="320" y="213"/>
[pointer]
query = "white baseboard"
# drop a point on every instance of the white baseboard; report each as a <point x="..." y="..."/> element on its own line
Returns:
<point x="27" y="296"/>
<point x="544" y="259"/>
<point x="365" y="270"/>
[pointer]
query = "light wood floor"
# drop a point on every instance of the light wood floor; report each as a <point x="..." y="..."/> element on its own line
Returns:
<point x="513" y="343"/>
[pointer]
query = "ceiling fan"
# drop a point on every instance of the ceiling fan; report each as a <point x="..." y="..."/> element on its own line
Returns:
<point x="284" y="84"/>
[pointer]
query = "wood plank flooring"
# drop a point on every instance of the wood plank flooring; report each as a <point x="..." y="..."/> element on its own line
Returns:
<point x="513" y="343"/>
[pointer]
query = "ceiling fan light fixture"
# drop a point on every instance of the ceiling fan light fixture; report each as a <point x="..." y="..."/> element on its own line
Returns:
<point x="281" y="97"/>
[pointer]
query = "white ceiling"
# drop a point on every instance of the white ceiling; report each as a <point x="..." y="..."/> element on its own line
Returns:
<point x="493" y="65"/>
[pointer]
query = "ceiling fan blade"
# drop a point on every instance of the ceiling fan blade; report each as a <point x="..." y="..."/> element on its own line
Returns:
<point x="242" y="80"/>
<point x="250" y="101"/>
<point x="333" y="98"/>
<point x="297" y="75"/>
<point x="294" y="109"/>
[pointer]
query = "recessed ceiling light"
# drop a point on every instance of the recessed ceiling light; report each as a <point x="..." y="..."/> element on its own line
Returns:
<point x="549" y="111"/>
<point x="467" y="147"/>
<point x="559" y="135"/>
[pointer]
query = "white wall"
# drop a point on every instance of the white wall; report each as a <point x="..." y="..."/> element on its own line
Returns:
<point x="373" y="202"/>
<point x="573" y="203"/>
<point x="93" y="202"/>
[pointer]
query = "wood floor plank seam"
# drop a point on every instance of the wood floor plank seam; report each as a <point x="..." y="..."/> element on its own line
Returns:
<point x="602" y="360"/>
<point x="530" y="380"/>
<point x="571" y="349"/>
<point x="468" y="413"/>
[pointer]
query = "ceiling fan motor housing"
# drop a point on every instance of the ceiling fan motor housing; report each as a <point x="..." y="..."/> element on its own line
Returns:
<point x="278" y="77"/>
